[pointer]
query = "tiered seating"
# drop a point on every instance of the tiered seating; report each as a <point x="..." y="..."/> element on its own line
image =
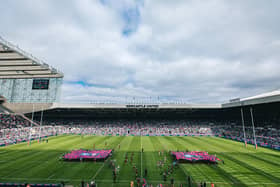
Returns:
<point x="265" y="136"/>
<point x="12" y="121"/>
<point x="16" y="135"/>
<point x="16" y="129"/>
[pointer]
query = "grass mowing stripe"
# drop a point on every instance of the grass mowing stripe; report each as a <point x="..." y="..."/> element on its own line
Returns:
<point x="256" y="165"/>
<point x="125" y="171"/>
<point x="250" y="147"/>
<point x="195" y="146"/>
<point x="82" y="170"/>
<point x="256" y="170"/>
<point x="228" y="177"/>
<point x="38" y="165"/>
<point x="271" y="163"/>
<point x="25" y="158"/>
<point x="67" y="143"/>
<point x="81" y="167"/>
<point x="120" y="156"/>
<point x="205" y="171"/>
<point x="186" y="168"/>
<point x="244" y="164"/>
<point x="273" y="157"/>
<point x="150" y="160"/>
<point x="45" y="166"/>
<point x="115" y="144"/>
<point x="178" y="173"/>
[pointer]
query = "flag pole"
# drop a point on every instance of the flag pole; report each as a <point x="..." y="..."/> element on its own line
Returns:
<point x="242" y="118"/>
<point x="31" y="124"/>
<point x="252" y="117"/>
<point x="42" y="112"/>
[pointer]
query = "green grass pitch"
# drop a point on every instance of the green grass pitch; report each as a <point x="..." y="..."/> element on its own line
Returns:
<point x="40" y="163"/>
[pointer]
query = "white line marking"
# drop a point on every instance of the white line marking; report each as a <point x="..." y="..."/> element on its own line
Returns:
<point x="98" y="171"/>
<point x="51" y="176"/>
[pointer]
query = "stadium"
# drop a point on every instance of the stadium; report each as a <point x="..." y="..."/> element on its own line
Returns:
<point x="48" y="143"/>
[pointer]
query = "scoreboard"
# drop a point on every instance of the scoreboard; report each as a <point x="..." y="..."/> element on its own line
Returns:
<point x="40" y="84"/>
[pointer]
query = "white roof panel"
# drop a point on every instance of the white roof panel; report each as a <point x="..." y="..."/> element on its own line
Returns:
<point x="16" y="63"/>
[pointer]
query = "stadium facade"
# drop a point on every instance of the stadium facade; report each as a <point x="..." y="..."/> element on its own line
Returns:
<point x="264" y="107"/>
<point x="26" y="80"/>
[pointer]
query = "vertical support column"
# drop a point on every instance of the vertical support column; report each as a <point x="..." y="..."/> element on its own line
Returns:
<point x="242" y="118"/>
<point x="42" y="113"/>
<point x="253" y="125"/>
<point x="29" y="142"/>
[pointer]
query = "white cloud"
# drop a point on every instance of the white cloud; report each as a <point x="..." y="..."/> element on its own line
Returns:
<point x="191" y="50"/>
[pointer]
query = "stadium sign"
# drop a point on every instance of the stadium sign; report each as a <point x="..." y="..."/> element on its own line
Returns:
<point x="142" y="106"/>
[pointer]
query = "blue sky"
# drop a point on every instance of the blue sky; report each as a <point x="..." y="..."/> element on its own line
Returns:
<point x="184" y="50"/>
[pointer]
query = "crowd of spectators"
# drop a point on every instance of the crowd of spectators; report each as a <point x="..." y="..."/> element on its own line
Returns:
<point x="265" y="136"/>
<point x="15" y="129"/>
<point x="136" y="127"/>
<point x="16" y="135"/>
<point x="12" y="121"/>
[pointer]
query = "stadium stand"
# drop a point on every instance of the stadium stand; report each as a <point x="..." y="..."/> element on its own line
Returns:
<point x="266" y="136"/>
<point x="173" y="120"/>
<point x="15" y="129"/>
<point x="224" y="123"/>
<point x="8" y="121"/>
<point x="16" y="135"/>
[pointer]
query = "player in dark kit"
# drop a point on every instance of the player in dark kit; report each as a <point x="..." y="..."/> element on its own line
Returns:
<point x="172" y="182"/>
<point x="146" y="172"/>
<point x="189" y="180"/>
<point x="138" y="181"/>
<point x="136" y="173"/>
<point x="164" y="176"/>
<point x="114" y="175"/>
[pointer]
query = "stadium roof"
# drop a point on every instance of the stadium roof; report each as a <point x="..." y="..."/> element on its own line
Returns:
<point x="268" y="94"/>
<point x="16" y="63"/>
<point x="268" y="97"/>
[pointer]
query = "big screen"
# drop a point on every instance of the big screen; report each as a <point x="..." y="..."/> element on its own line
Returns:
<point x="40" y="84"/>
